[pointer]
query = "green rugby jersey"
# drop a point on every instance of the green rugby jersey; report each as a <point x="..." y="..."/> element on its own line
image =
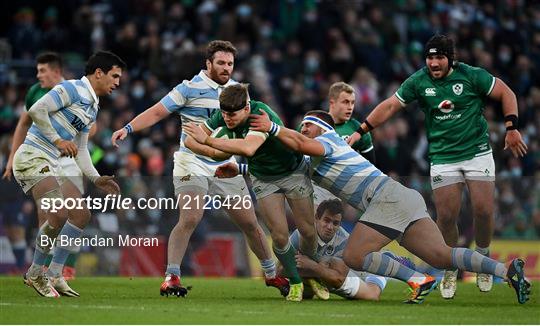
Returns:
<point x="453" y="106"/>
<point x="364" y="144"/>
<point x="272" y="160"/>
<point x="34" y="94"/>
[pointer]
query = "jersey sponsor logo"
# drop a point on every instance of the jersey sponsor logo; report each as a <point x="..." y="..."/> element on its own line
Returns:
<point x="448" y="117"/>
<point x="77" y="123"/>
<point x="437" y="179"/>
<point x="430" y="91"/>
<point x="446" y="106"/>
<point x="457" y="88"/>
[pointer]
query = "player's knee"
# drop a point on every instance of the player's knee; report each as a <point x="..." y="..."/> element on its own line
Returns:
<point x="353" y="260"/>
<point x="248" y="227"/>
<point x="447" y="212"/>
<point x="446" y="219"/>
<point x="188" y="222"/>
<point x="307" y="231"/>
<point x="441" y="257"/>
<point x="483" y="213"/>
<point x="80" y="216"/>
<point x="280" y="240"/>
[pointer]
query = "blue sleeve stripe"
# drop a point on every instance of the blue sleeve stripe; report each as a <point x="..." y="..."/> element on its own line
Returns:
<point x="327" y="146"/>
<point x="57" y="100"/>
<point x="348" y="155"/>
<point x="72" y="91"/>
<point x="61" y="130"/>
<point x="169" y="104"/>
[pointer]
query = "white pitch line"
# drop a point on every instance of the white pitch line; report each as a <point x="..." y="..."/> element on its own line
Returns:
<point x="141" y="308"/>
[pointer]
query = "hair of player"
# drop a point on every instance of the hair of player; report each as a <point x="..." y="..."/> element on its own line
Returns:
<point x="445" y="45"/>
<point x="323" y="115"/>
<point x="219" y="45"/>
<point x="105" y="61"/>
<point x="339" y="87"/>
<point x="234" y="97"/>
<point x="53" y="59"/>
<point x="333" y="206"/>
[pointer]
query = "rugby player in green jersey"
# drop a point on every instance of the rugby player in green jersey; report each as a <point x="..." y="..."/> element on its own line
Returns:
<point x="452" y="96"/>
<point x="341" y="99"/>
<point x="277" y="174"/>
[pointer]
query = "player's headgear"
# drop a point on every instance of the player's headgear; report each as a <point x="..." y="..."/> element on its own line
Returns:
<point x="320" y="118"/>
<point x="441" y="44"/>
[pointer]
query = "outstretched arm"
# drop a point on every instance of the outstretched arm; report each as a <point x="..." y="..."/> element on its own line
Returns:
<point x="380" y="114"/>
<point x="502" y="93"/>
<point x="144" y="120"/>
<point x="290" y="138"/>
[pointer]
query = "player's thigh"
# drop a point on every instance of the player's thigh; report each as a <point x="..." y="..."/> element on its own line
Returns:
<point x="447" y="201"/>
<point x="424" y="240"/>
<point x="393" y="209"/>
<point x="362" y="241"/>
<point x="69" y="171"/>
<point x="235" y="199"/>
<point x="447" y="181"/>
<point x="480" y="177"/>
<point x="482" y="197"/>
<point x="50" y="201"/>
<point x="31" y="166"/>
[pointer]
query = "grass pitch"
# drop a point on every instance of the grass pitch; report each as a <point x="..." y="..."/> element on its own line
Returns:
<point x="113" y="300"/>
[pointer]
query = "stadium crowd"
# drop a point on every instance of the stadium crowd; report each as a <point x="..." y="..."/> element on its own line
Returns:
<point x="290" y="51"/>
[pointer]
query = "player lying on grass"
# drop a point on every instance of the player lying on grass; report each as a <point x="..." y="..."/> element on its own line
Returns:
<point x="334" y="273"/>
<point x="391" y="211"/>
<point x="278" y="174"/>
<point x="61" y="122"/>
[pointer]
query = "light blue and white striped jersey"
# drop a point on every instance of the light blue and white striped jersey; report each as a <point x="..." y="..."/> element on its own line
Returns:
<point x="77" y="106"/>
<point x="332" y="248"/>
<point x="345" y="173"/>
<point x="195" y="100"/>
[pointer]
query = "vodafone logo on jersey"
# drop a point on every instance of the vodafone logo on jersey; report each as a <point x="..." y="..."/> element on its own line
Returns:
<point x="446" y="106"/>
